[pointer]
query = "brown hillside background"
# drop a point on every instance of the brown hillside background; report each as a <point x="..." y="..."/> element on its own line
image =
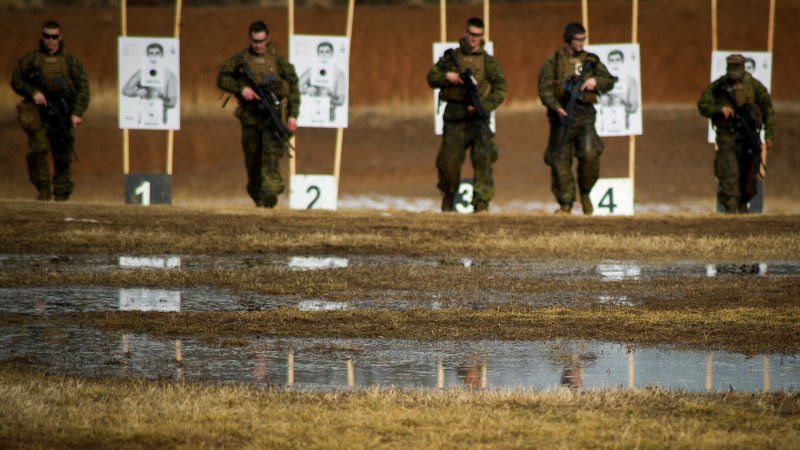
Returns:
<point x="390" y="147"/>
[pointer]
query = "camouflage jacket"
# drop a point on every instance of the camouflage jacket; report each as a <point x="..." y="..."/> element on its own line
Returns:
<point x="24" y="80"/>
<point x="494" y="76"/>
<point x="231" y="79"/>
<point x="713" y="98"/>
<point x="584" y="112"/>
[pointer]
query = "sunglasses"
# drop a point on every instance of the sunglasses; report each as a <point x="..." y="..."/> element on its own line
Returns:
<point x="258" y="41"/>
<point x="475" y="35"/>
<point x="52" y="37"/>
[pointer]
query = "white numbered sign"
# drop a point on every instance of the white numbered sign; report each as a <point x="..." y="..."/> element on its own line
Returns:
<point x="463" y="201"/>
<point x="612" y="197"/>
<point x="313" y="192"/>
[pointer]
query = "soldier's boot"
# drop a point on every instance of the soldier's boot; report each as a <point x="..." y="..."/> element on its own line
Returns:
<point x="259" y="203"/>
<point x="61" y="197"/>
<point x="731" y="207"/>
<point x="743" y="208"/>
<point x="564" y="209"/>
<point x="480" y="206"/>
<point x="271" y="200"/>
<point x="44" y="195"/>
<point x="586" y="204"/>
<point x="448" y="202"/>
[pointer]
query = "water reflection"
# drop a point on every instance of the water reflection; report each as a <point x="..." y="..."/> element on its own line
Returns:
<point x="605" y="270"/>
<point x="149" y="300"/>
<point x="310" y="364"/>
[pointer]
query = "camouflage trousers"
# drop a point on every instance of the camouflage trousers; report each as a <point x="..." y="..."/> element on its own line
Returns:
<point x="457" y="137"/>
<point x="736" y="171"/>
<point x="262" y="157"/>
<point x="581" y="143"/>
<point x="40" y="146"/>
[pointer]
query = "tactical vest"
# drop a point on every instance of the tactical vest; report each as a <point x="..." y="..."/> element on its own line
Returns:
<point x="477" y="65"/>
<point x="569" y="67"/>
<point x="264" y="67"/>
<point x="55" y="71"/>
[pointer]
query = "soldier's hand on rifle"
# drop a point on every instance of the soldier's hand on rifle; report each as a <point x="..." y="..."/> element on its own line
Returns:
<point x="454" y="78"/>
<point x="76" y="120"/>
<point x="40" y="99"/>
<point x="589" y="84"/>
<point x="562" y="112"/>
<point x="291" y="124"/>
<point x="249" y="94"/>
<point x="769" y="143"/>
<point x="727" y="111"/>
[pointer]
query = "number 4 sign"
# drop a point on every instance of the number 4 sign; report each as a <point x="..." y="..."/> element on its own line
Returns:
<point x="313" y="192"/>
<point x="612" y="197"/>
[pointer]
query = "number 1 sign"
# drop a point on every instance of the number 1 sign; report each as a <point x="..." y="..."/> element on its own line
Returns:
<point x="612" y="197"/>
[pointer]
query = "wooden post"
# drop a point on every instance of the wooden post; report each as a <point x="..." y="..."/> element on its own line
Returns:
<point x="126" y="167"/>
<point x="486" y="19"/>
<point x="714" y="25"/>
<point x="442" y="20"/>
<point x="292" y="140"/>
<point x="771" y="28"/>
<point x="171" y="133"/>
<point x="337" y="160"/>
<point x="632" y="138"/>
<point x="585" y="17"/>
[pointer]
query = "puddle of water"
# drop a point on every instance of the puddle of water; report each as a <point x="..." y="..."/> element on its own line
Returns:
<point x="149" y="300"/>
<point x="321" y="364"/>
<point x="529" y="269"/>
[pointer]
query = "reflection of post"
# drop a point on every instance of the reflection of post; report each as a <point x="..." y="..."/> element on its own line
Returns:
<point x="440" y="374"/>
<point x="483" y="372"/>
<point x="351" y="377"/>
<point x="126" y="353"/>
<point x="290" y="369"/>
<point x="766" y="373"/>
<point x="709" y="366"/>
<point x="631" y="368"/>
<point x="179" y="359"/>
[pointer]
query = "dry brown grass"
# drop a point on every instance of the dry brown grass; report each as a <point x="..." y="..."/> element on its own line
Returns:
<point x="28" y="227"/>
<point x="58" y="412"/>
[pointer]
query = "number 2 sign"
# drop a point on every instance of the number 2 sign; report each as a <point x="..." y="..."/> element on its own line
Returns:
<point x="612" y="197"/>
<point x="313" y="192"/>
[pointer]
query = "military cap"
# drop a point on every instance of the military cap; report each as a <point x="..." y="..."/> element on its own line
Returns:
<point x="735" y="59"/>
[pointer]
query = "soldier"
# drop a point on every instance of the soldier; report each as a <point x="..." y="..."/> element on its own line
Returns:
<point x="580" y="140"/>
<point x="735" y="97"/>
<point x="56" y="95"/>
<point x="262" y="149"/>
<point x="463" y="128"/>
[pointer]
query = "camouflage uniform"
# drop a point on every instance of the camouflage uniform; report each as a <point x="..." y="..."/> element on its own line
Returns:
<point x="737" y="172"/>
<point x="462" y="130"/>
<point x="64" y="75"/>
<point x="262" y="150"/>
<point x="582" y="141"/>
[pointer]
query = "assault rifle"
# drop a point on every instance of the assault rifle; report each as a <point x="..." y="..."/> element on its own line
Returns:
<point x="56" y="113"/>
<point x="472" y="89"/>
<point x="572" y="93"/>
<point x="269" y="105"/>
<point x="744" y="123"/>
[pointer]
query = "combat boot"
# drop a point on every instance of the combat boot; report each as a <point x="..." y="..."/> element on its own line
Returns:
<point x="564" y="209"/>
<point x="586" y="204"/>
<point x="743" y="208"/>
<point x="44" y="195"/>
<point x="448" y="202"/>
<point x="61" y="197"/>
<point x="270" y="200"/>
<point x="480" y="206"/>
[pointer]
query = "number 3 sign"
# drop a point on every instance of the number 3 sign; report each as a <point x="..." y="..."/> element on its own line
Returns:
<point x="612" y="197"/>
<point x="313" y="192"/>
